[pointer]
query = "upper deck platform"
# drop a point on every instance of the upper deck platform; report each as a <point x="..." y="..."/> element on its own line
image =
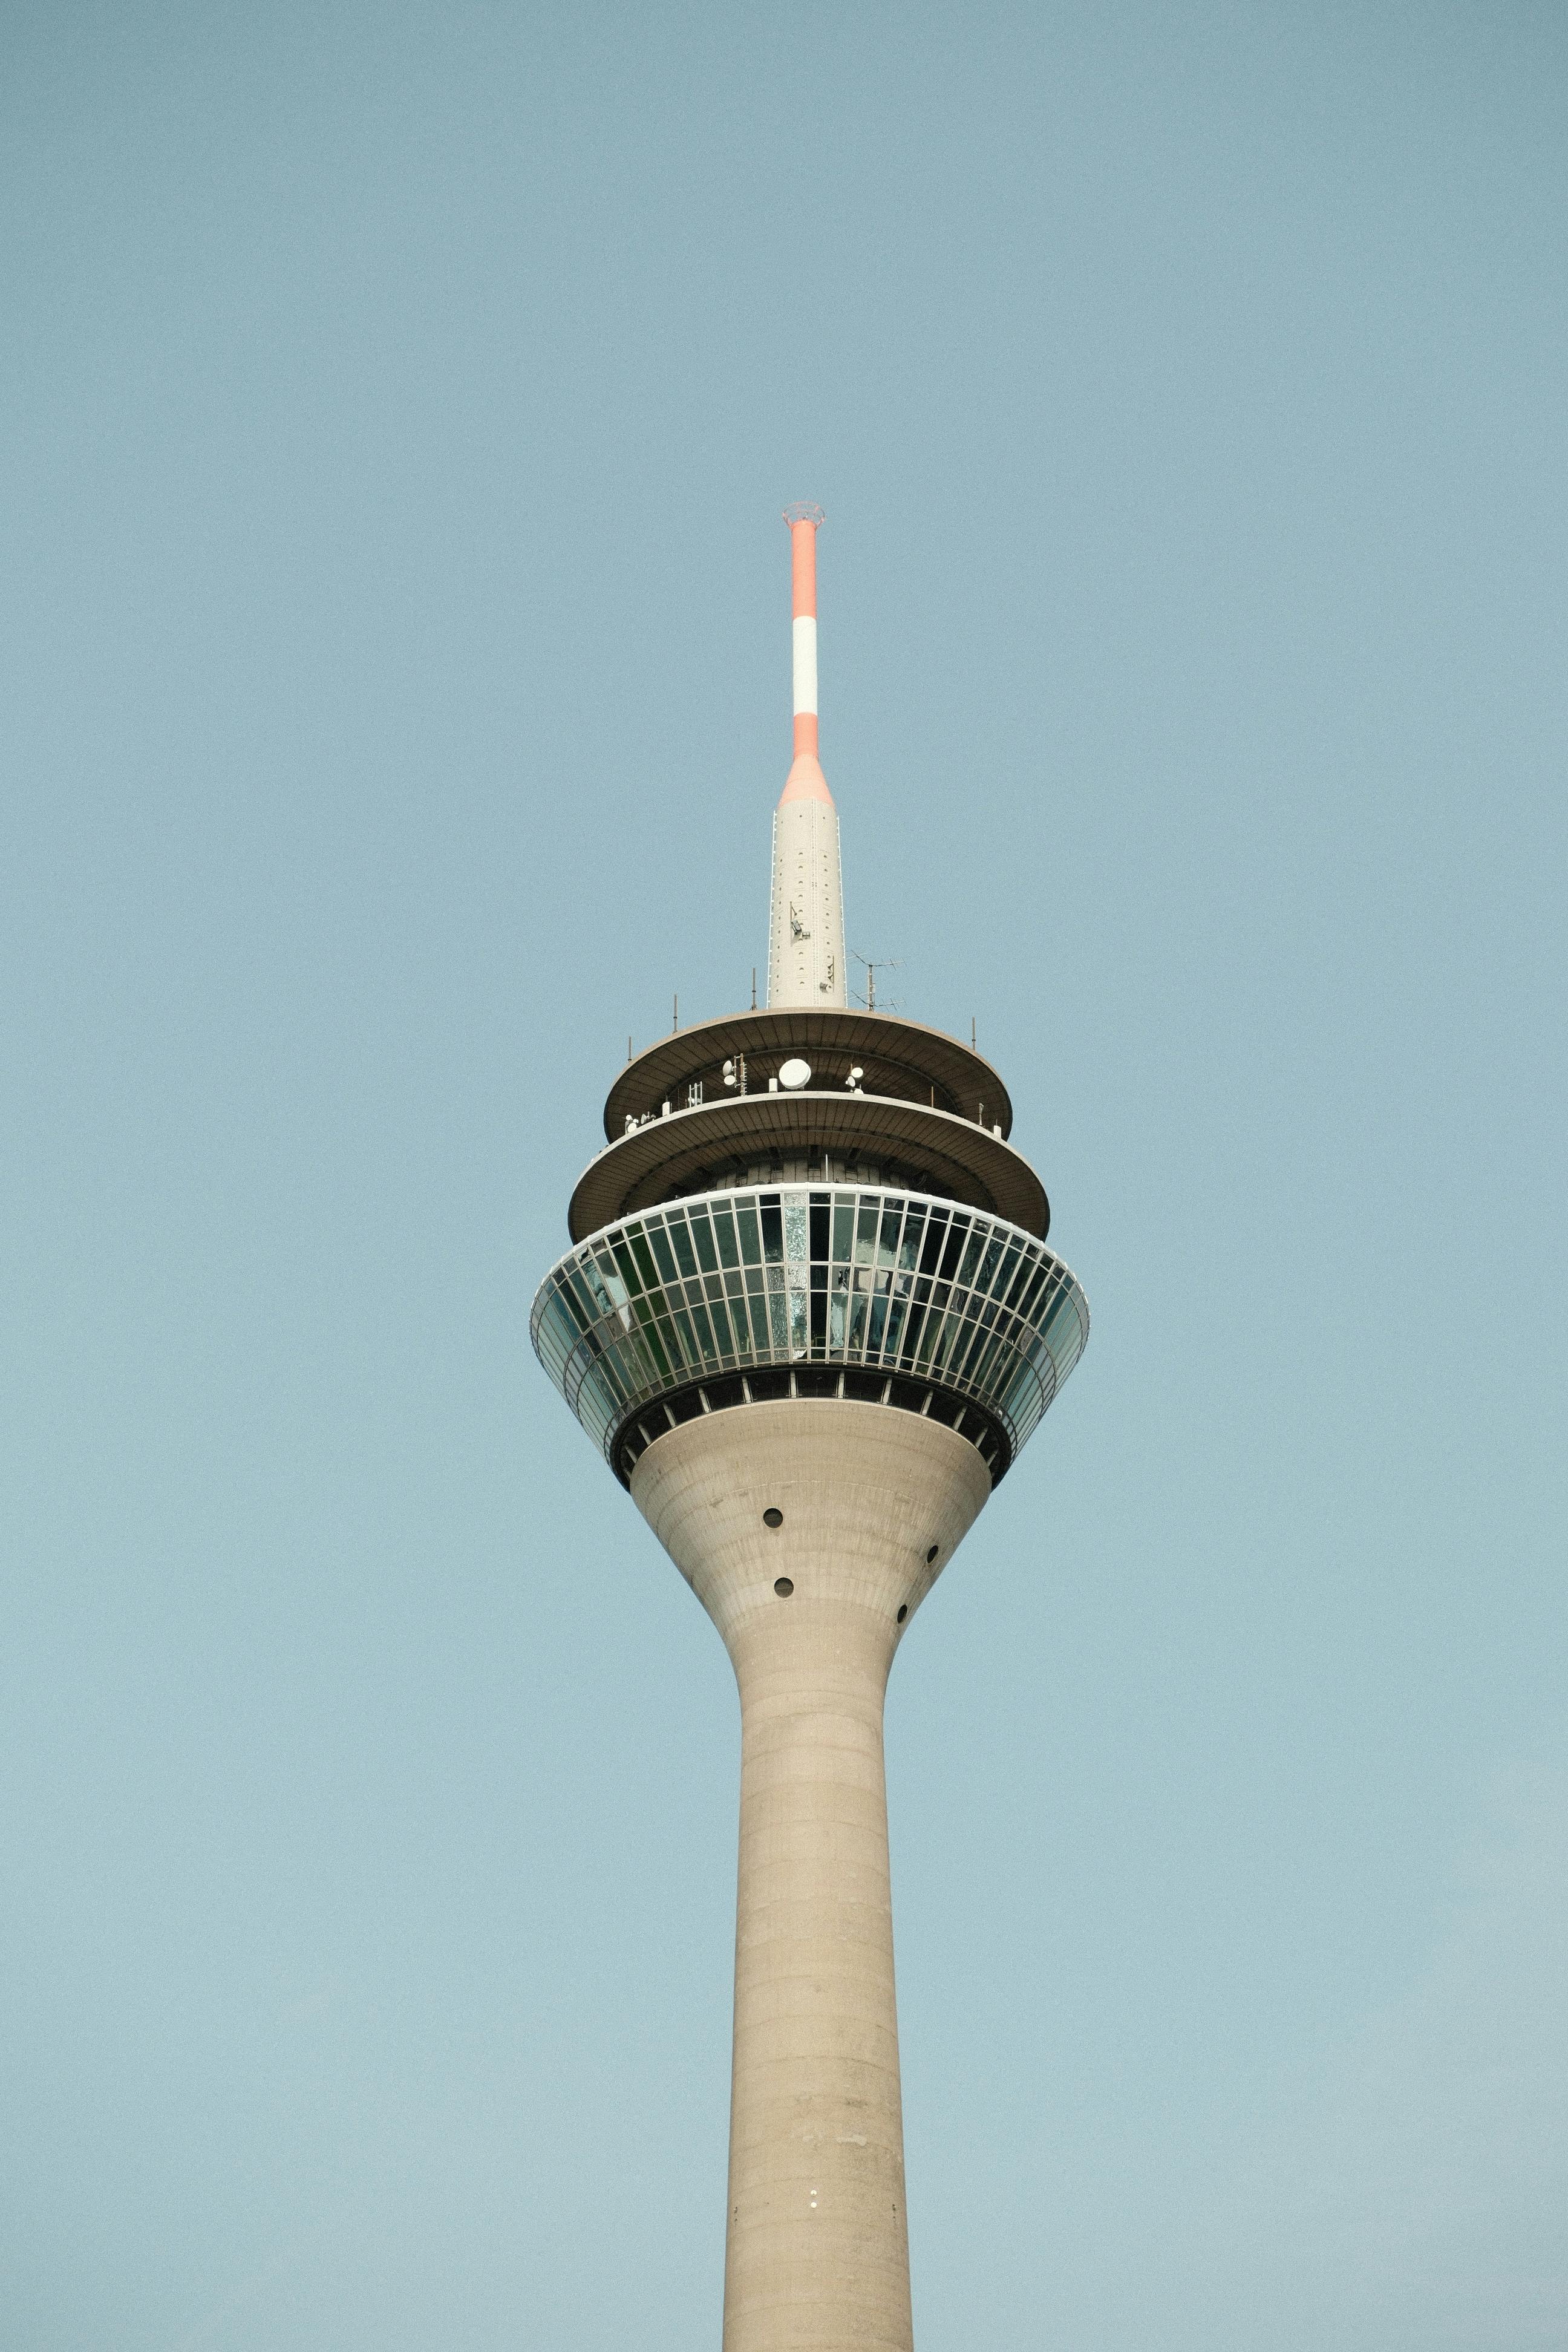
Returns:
<point x="881" y="1094"/>
<point x="902" y="1061"/>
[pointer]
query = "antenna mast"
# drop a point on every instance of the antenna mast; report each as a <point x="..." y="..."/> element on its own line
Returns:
<point x="805" y="923"/>
<point x="874" y="964"/>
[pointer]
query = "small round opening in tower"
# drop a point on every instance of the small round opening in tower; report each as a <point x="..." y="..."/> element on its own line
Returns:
<point x="772" y="1519"/>
<point x="783" y="1586"/>
<point x="932" y="1553"/>
<point x="903" y="1613"/>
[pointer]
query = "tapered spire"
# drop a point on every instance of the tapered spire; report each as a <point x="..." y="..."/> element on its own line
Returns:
<point x="806" y="941"/>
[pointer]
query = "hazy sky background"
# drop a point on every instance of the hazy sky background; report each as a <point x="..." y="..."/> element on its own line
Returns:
<point x="398" y="407"/>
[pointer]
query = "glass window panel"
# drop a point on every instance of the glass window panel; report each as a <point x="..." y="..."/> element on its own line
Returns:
<point x="954" y="1341"/>
<point x="974" y="1249"/>
<point x="913" y="1235"/>
<point x="964" y="1363"/>
<point x="664" y="1256"/>
<point x="865" y="1232"/>
<point x="1054" y="1306"/>
<point x="843" y="1227"/>
<point x="687" y="1337"/>
<point x="598" y="1289"/>
<point x="750" y="1240"/>
<point x="645" y="1306"/>
<point x="681" y="1238"/>
<point x="985" y="1363"/>
<point x="989" y="1263"/>
<point x="957" y="1235"/>
<point x="605" y="1378"/>
<point x="1032" y="1288"/>
<point x="724" y="1234"/>
<point x="772" y="1227"/>
<point x="579" y="1303"/>
<point x="932" y="1340"/>
<point x="892" y="1218"/>
<point x="702" y="1236"/>
<point x="610" y="1274"/>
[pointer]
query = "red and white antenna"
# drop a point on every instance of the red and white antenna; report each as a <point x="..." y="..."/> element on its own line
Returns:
<point x="804" y="522"/>
<point x="806" y="941"/>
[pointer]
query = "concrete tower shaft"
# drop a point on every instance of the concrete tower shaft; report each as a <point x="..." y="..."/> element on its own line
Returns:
<point x="811" y="1533"/>
<point x="805" y="931"/>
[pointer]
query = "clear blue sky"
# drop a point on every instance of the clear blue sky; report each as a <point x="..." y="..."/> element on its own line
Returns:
<point x="398" y="407"/>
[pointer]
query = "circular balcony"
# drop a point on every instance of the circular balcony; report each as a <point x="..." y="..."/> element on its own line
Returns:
<point x="889" y="1298"/>
<point x="708" y="1147"/>
<point x="898" y="1060"/>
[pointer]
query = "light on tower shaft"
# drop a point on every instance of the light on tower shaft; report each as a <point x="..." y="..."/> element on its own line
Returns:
<point x="806" y="934"/>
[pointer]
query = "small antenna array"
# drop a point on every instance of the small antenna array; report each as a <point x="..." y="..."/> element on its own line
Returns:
<point x="873" y="965"/>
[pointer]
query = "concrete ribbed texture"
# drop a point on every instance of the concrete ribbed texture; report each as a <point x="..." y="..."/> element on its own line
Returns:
<point x="817" y="2252"/>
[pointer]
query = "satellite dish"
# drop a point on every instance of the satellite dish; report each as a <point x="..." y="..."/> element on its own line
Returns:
<point x="795" y="1073"/>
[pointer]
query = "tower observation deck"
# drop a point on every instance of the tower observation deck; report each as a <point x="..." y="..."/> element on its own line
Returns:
<point x="810" y="1318"/>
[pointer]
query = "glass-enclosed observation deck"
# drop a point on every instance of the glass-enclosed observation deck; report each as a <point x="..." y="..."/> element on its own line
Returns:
<point x="891" y="1297"/>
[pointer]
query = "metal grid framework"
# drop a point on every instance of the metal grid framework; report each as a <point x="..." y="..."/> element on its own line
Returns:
<point x="897" y="1282"/>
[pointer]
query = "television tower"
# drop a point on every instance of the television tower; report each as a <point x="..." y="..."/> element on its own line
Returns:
<point x="810" y="1318"/>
